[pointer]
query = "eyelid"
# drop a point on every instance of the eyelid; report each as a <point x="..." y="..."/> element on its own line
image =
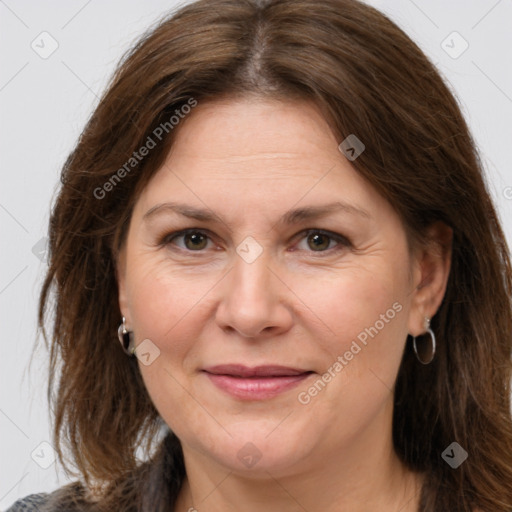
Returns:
<point x="341" y="239"/>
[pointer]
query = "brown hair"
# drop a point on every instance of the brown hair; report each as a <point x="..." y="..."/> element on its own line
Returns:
<point x="369" y="79"/>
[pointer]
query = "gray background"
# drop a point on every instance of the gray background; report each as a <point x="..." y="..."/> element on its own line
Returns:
<point x="44" y="103"/>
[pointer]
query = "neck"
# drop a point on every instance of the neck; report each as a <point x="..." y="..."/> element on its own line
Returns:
<point x="357" y="477"/>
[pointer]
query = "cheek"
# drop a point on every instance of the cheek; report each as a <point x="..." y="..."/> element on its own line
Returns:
<point x="362" y="304"/>
<point x="164" y="305"/>
<point x="161" y="302"/>
<point x="366" y="309"/>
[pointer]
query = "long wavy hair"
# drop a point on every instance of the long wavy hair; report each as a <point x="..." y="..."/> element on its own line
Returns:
<point x="368" y="78"/>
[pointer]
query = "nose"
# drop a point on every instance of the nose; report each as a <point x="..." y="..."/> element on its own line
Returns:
<point x="255" y="300"/>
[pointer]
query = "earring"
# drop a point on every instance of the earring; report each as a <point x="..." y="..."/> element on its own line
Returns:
<point x="432" y="351"/>
<point x="126" y="338"/>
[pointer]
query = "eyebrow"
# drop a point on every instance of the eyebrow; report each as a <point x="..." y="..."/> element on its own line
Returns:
<point x="290" y="217"/>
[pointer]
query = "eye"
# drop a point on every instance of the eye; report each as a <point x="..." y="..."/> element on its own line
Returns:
<point x="195" y="240"/>
<point x="320" y="241"/>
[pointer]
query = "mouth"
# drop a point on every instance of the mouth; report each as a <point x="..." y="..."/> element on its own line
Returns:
<point x="258" y="383"/>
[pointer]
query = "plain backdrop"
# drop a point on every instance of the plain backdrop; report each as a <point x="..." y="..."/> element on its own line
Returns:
<point x="55" y="59"/>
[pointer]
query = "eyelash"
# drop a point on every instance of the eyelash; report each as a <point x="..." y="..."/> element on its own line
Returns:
<point x="342" y="241"/>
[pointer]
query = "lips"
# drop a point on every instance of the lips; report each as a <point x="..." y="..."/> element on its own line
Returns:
<point x="238" y="370"/>
<point x="258" y="383"/>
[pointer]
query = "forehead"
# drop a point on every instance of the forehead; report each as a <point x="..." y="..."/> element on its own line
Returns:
<point x="253" y="127"/>
<point x="254" y="155"/>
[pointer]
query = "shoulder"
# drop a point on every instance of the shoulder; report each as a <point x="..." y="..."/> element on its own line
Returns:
<point x="69" y="498"/>
<point x="29" y="503"/>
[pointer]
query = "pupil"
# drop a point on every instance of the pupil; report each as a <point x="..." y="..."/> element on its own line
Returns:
<point x="316" y="238"/>
<point x="195" y="239"/>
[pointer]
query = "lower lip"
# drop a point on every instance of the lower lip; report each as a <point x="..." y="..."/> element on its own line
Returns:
<point x="256" y="388"/>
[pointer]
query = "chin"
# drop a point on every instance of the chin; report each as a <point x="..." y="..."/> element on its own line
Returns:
<point x="258" y="447"/>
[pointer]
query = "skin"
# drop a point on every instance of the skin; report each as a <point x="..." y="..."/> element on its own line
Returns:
<point x="202" y="304"/>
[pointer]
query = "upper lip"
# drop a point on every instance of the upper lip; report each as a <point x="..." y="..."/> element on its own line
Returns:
<point x="239" y="370"/>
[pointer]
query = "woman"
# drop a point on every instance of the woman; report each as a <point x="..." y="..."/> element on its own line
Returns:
<point x="287" y="230"/>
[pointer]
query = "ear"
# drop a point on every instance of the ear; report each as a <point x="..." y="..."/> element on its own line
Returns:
<point x="120" y="264"/>
<point x="432" y="263"/>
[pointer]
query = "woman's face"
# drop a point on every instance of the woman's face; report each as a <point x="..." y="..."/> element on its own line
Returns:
<point x="273" y="331"/>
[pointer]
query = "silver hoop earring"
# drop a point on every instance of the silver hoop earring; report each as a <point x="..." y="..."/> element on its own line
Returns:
<point x="126" y="338"/>
<point x="433" y="340"/>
